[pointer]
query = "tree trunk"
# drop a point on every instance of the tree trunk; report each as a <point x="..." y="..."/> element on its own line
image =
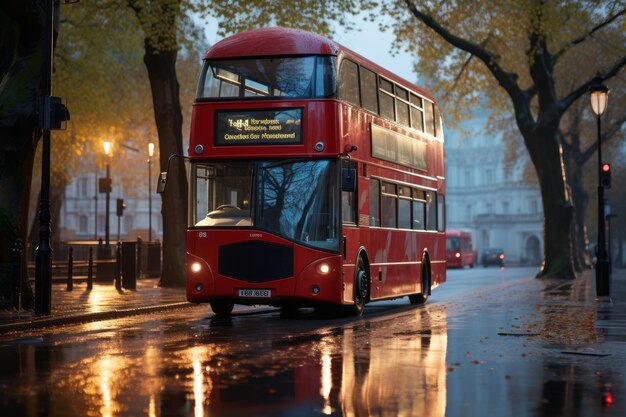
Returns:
<point x="21" y="60"/>
<point x="545" y="153"/>
<point x="161" y="67"/>
<point x="581" y="200"/>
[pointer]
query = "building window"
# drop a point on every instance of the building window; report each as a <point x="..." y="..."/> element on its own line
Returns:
<point x="101" y="223"/>
<point x="82" y="223"/>
<point x="82" y="187"/>
<point x="468" y="177"/>
<point x="128" y="222"/>
<point x="468" y="213"/>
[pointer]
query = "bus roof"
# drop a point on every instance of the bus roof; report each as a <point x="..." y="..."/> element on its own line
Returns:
<point x="457" y="233"/>
<point x="276" y="41"/>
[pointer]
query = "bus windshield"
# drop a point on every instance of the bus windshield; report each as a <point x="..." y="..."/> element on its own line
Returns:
<point x="300" y="77"/>
<point x="295" y="199"/>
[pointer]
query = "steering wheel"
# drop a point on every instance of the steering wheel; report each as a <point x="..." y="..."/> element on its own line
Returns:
<point x="227" y="206"/>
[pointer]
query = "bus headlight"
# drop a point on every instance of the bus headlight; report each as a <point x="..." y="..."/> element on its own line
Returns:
<point x="323" y="268"/>
<point x="458" y="255"/>
<point x="196" y="267"/>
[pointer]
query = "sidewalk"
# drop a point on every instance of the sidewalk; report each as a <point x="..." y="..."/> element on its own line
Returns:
<point x="102" y="302"/>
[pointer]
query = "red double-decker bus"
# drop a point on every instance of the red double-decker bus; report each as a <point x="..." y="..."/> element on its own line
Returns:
<point x="459" y="248"/>
<point x="316" y="178"/>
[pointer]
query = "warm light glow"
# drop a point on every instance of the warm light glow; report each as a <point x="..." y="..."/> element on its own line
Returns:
<point x="324" y="268"/>
<point x="458" y="255"/>
<point x="107" y="148"/>
<point x="599" y="100"/>
<point x="196" y="267"/>
<point x="326" y="381"/>
<point x="606" y="167"/>
<point x="599" y="96"/>
<point x="150" y="149"/>
<point x="198" y="389"/>
<point x="501" y="256"/>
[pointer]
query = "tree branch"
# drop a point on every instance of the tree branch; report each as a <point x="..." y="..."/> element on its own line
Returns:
<point x="608" y="134"/>
<point x="567" y="101"/>
<point x="581" y="39"/>
<point x="507" y="80"/>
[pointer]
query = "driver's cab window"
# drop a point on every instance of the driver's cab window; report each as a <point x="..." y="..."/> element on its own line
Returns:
<point x="222" y="195"/>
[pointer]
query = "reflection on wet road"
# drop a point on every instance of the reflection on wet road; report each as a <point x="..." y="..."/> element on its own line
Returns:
<point x="455" y="356"/>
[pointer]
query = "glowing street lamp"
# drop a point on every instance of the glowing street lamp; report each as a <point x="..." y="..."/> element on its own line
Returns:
<point x="599" y="97"/>
<point x="107" y="152"/>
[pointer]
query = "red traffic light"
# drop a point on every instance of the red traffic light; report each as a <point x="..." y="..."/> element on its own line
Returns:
<point x="605" y="175"/>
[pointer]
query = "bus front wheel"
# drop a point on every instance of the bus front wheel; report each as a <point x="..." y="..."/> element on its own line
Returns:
<point x="423" y="296"/>
<point x="361" y="287"/>
<point x="222" y="308"/>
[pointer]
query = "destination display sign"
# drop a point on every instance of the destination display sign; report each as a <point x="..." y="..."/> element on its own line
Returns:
<point x="258" y="127"/>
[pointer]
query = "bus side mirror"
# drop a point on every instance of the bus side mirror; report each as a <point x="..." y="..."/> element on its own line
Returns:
<point x="348" y="180"/>
<point x="161" y="182"/>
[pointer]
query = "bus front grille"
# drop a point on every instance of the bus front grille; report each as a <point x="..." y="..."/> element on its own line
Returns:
<point x="255" y="261"/>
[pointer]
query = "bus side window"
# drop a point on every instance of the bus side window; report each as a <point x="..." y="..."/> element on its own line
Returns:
<point x="404" y="207"/>
<point x="348" y="84"/>
<point x="389" y="216"/>
<point x="431" y="211"/>
<point x="348" y="199"/>
<point x="441" y="213"/>
<point x="369" y="90"/>
<point x="374" y="202"/>
<point x="419" y="210"/>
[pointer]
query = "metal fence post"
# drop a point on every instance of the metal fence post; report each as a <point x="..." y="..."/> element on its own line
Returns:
<point x="118" y="267"/>
<point x="90" y="270"/>
<point x="139" y="268"/>
<point x="17" y="276"/>
<point x="70" y="270"/>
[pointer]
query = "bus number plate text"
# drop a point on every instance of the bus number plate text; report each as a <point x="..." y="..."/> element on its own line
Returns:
<point x="255" y="293"/>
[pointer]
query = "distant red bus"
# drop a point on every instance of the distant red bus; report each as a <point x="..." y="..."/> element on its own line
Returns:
<point x="316" y="178"/>
<point x="459" y="250"/>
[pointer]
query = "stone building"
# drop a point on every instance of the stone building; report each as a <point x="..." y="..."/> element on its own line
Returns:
<point x="489" y="200"/>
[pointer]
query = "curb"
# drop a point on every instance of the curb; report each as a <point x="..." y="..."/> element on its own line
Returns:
<point x="89" y="317"/>
<point x="79" y="318"/>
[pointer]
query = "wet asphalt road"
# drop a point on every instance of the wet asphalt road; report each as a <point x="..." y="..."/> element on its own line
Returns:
<point x="489" y="342"/>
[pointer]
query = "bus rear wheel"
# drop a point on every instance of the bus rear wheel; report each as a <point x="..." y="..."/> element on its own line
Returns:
<point x="222" y="308"/>
<point x="423" y="296"/>
<point x="361" y="287"/>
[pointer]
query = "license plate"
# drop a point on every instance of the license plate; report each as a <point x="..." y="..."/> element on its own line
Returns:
<point x="255" y="293"/>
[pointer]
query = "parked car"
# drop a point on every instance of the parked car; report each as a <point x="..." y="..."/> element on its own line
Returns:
<point x="493" y="256"/>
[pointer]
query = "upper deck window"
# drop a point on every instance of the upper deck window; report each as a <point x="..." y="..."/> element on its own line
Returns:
<point x="297" y="77"/>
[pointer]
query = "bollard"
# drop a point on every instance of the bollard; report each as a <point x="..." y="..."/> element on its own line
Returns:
<point x="90" y="270"/>
<point x="70" y="270"/>
<point x="17" y="276"/>
<point x="118" y="264"/>
<point x="139" y="243"/>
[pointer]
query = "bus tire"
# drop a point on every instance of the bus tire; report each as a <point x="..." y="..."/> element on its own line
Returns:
<point x="222" y="308"/>
<point x="361" y="287"/>
<point x="422" y="297"/>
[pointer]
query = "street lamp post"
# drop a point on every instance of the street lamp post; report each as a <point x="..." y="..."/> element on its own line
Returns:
<point x="107" y="152"/>
<point x="599" y="96"/>
<point x="150" y="154"/>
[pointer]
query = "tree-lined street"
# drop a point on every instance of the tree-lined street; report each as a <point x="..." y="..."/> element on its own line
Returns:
<point x="489" y="339"/>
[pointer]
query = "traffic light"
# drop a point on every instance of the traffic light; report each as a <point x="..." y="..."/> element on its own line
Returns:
<point x="120" y="207"/>
<point x="605" y="175"/>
